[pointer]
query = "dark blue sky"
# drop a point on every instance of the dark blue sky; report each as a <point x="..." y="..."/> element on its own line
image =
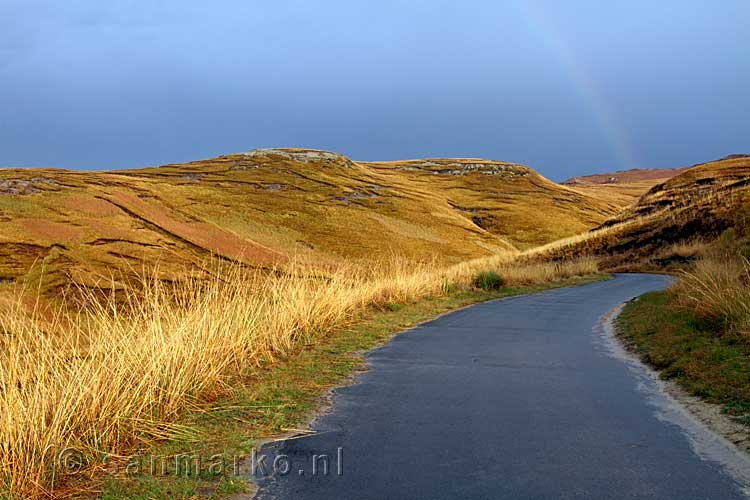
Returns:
<point x="565" y="87"/>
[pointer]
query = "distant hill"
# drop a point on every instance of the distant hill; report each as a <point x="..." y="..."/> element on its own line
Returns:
<point x="626" y="176"/>
<point x="736" y="156"/>
<point x="623" y="187"/>
<point x="266" y="206"/>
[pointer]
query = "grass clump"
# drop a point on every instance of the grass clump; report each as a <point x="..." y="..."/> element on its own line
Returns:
<point x="717" y="287"/>
<point x="488" y="280"/>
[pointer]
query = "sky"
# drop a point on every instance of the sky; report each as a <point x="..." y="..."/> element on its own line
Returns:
<point x="567" y="88"/>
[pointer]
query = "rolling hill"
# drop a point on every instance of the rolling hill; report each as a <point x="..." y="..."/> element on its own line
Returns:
<point x="268" y="205"/>
<point x="698" y="204"/>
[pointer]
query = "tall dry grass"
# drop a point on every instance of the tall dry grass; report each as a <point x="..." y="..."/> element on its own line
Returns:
<point x="516" y="271"/>
<point x="579" y="243"/>
<point x="718" y="287"/>
<point x="686" y="249"/>
<point x="116" y="370"/>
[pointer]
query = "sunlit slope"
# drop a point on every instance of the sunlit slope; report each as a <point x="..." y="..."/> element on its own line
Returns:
<point x="265" y="206"/>
<point x="509" y="200"/>
<point x="699" y="203"/>
<point x="709" y="189"/>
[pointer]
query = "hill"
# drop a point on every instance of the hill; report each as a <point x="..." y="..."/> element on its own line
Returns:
<point x="265" y="206"/>
<point x="624" y="187"/>
<point x="698" y="204"/>
<point x="504" y="199"/>
<point x="626" y="176"/>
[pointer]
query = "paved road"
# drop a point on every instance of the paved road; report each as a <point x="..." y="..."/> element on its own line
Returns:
<point x="517" y="399"/>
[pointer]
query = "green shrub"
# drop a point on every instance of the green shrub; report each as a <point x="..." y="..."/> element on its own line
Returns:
<point x="728" y="236"/>
<point x="449" y="287"/>
<point x="745" y="249"/>
<point x="488" y="280"/>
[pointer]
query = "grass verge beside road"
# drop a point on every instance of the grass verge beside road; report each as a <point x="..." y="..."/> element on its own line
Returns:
<point x="689" y="348"/>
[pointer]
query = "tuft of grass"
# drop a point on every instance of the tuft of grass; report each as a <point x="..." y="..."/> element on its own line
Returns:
<point x="698" y="331"/>
<point x="717" y="287"/>
<point x="488" y="280"/>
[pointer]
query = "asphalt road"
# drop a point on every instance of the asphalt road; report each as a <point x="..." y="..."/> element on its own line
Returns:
<point x="519" y="398"/>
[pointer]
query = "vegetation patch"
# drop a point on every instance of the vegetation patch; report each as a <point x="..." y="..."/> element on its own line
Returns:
<point x="699" y="204"/>
<point x="488" y="280"/>
<point x="690" y="349"/>
<point x="698" y="331"/>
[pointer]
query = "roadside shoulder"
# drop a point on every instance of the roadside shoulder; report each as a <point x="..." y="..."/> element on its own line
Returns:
<point x="707" y="375"/>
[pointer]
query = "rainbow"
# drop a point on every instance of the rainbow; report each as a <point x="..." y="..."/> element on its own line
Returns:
<point x="587" y="88"/>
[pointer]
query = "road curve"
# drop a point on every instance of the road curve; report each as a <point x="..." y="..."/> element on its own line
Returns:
<point x="516" y="398"/>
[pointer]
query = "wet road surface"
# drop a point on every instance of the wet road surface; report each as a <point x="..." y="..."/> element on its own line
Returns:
<point x="518" y="398"/>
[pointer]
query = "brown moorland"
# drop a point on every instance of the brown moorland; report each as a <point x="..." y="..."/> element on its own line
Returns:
<point x="664" y="226"/>
<point x="624" y="187"/>
<point x="262" y="207"/>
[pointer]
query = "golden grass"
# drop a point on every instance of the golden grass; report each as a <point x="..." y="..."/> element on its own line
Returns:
<point x="627" y="230"/>
<point x="704" y="199"/>
<point x="515" y="271"/>
<point x="114" y="372"/>
<point x="686" y="249"/>
<point x="580" y="242"/>
<point x="718" y="286"/>
<point x="263" y="208"/>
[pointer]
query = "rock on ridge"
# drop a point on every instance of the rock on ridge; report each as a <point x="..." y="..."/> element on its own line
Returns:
<point x="302" y="155"/>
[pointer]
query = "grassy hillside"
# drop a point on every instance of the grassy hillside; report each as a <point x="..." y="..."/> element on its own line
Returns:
<point x="700" y="203"/>
<point x="504" y="199"/>
<point x="262" y="207"/>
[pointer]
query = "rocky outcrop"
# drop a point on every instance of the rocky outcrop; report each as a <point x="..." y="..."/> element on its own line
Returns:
<point x="24" y="186"/>
<point x="504" y="169"/>
<point x="463" y="166"/>
<point x="302" y="155"/>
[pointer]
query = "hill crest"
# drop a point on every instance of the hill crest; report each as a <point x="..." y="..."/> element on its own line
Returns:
<point x="265" y="206"/>
<point x="698" y="204"/>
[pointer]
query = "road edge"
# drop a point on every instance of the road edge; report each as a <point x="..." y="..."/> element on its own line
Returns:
<point x="709" y="432"/>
